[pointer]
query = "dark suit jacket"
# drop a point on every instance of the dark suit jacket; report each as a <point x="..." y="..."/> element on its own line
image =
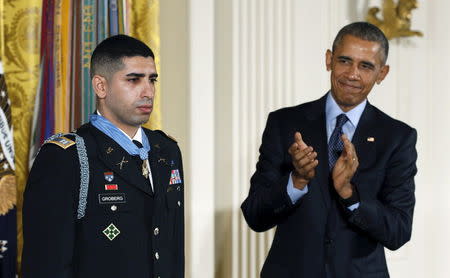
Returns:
<point x="58" y="245"/>
<point x="318" y="229"/>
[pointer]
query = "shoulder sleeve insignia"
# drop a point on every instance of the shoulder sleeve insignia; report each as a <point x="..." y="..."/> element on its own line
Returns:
<point x="62" y="141"/>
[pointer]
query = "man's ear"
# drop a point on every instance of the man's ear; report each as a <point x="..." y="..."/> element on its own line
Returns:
<point x="383" y="72"/>
<point x="100" y="85"/>
<point x="328" y="59"/>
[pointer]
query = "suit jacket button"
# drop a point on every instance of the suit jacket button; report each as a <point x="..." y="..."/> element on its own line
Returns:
<point x="156" y="231"/>
<point x="113" y="207"/>
<point x="157" y="255"/>
<point x="179" y="203"/>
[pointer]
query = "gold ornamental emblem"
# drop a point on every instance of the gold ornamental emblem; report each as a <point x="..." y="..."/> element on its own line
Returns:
<point x="8" y="193"/>
<point x="396" y="18"/>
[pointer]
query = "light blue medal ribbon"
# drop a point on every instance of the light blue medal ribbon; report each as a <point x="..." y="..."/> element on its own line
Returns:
<point x="119" y="137"/>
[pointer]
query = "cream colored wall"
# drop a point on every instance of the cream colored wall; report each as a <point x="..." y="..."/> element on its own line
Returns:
<point x="227" y="63"/>
<point x="174" y="79"/>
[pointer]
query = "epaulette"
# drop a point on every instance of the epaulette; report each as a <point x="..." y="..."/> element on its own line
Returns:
<point x="166" y="135"/>
<point x="61" y="141"/>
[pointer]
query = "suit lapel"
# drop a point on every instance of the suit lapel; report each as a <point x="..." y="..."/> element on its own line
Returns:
<point x="119" y="161"/>
<point x="364" y="139"/>
<point x="316" y="136"/>
<point x="156" y="172"/>
<point x="159" y="163"/>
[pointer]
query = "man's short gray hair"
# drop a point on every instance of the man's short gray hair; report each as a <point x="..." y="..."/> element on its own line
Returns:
<point x="364" y="31"/>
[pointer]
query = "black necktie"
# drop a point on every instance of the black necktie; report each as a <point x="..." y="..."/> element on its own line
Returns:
<point x="335" y="145"/>
<point x="137" y="143"/>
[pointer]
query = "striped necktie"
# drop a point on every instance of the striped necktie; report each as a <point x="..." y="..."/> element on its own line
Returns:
<point x="335" y="145"/>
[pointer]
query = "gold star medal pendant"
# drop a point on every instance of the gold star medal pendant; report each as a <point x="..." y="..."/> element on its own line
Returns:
<point x="145" y="170"/>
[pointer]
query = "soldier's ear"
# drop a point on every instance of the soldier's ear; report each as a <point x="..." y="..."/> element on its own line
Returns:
<point x="100" y="85"/>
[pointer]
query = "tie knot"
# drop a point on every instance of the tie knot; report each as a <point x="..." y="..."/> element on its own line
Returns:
<point x="142" y="152"/>
<point x="137" y="143"/>
<point x="341" y="120"/>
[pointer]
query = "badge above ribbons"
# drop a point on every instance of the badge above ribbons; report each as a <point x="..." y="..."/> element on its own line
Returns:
<point x="175" y="177"/>
<point x="109" y="176"/>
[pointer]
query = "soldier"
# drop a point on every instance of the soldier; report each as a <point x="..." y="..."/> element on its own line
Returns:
<point x="107" y="201"/>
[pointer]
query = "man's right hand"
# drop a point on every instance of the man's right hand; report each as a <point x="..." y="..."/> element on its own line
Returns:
<point x="304" y="162"/>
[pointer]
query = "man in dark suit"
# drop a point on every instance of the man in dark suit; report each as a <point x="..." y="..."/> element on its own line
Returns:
<point x="107" y="201"/>
<point x="336" y="175"/>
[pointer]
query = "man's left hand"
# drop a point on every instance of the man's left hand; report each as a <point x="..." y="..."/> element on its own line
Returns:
<point x="344" y="169"/>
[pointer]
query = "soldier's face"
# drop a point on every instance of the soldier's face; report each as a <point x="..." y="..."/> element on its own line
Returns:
<point x="130" y="92"/>
<point x="355" y="65"/>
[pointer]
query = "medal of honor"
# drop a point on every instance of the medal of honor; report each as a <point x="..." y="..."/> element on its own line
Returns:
<point x="145" y="170"/>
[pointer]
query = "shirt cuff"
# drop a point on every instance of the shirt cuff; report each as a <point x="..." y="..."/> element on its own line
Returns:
<point x="294" y="193"/>
<point x="353" y="207"/>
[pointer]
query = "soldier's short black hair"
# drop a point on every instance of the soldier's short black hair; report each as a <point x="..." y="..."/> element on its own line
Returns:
<point x="107" y="56"/>
<point x="364" y="31"/>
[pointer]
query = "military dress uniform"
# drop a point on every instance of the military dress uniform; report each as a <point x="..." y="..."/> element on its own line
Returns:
<point x="104" y="219"/>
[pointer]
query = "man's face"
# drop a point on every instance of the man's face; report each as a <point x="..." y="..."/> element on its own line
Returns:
<point x="129" y="93"/>
<point x="355" y="66"/>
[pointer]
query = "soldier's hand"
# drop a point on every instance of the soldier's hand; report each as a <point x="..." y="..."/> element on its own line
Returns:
<point x="345" y="168"/>
<point x="304" y="162"/>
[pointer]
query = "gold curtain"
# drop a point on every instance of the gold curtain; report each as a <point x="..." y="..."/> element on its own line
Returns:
<point x="20" y="44"/>
<point x="144" y="25"/>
